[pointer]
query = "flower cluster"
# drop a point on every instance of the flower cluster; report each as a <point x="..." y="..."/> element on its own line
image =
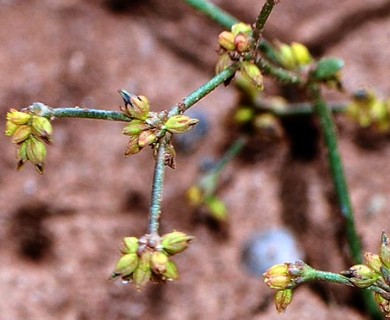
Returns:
<point x="147" y="127"/>
<point x="294" y="56"/>
<point x="370" y="111"/>
<point x="374" y="274"/>
<point x="148" y="258"/>
<point x="237" y="45"/>
<point x="29" y="132"/>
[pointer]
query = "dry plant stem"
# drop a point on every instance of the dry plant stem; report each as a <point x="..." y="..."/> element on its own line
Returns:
<point x="210" y="10"/>
<point x="157" y="189"/>
<point x="262" y="19"/>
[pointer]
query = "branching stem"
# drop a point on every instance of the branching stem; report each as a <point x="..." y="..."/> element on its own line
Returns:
<point x="262" y="19"/>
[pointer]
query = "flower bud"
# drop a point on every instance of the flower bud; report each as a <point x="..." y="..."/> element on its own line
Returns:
<point x="385" y="272"/>
<point x="135" y="127"/>
<point x="252" y="73"/>
<point x="328" y="69"/>
<point x="132" y="146"/>
<point x="36" y="152"/>
<point x="143" y="272"/>
<point x="18" y="117"/>
<point x="137" y="107"/>
<point x="158" y="262"/>
<point x="244" y="115"/>
<point x="171" y="272"/>
<point x="373" y="261"/>
<point x="286" y="56"/>
<point x="42" y="127"/>
<point x="180" y="124"/>
<point x="195" y="196"/>
<point x="216" y="208"/>
<point x="130" y="245"/>
<point x="241" y="27"/>
<point x="282" y="299"/>
<point x="301" y="54"/>
<point x="146" y="138"/>
<point x="243" y="42"/>
<point x="175" y="242"/>
<point x="10" y="128"/>
<point x="21" y="134"/>
<point x="126" y="265"/>
<point x="361" y="276"/>
<point x="384" y="253"/>
<point x="21" y="155"/>
<point x="384" y="304"/>
<point x="278" y="277"/>
<point x="226" y="40"/>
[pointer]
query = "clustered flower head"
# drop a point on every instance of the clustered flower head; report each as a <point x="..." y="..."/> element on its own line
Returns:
<point x="368" y="110"/>
<point x="29" y="132"/>
<point x="148" y="258"/>
<point x="238" y="45"/>
<point x="374" y="274"/>
<point x="146" y="127"/>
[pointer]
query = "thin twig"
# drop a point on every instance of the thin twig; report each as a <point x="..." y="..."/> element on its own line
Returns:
<point x="262" y="19"/>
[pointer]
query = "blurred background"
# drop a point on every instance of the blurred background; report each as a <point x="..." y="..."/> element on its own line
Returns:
<point x="60" y="232"/>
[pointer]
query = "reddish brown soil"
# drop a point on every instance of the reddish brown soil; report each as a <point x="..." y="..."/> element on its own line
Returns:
<point x="60" y="232"/>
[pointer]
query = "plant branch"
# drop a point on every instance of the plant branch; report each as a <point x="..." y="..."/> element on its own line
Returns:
<point x="262" y="19"/>
<point x="285" y="77"/>
<point x="204" y="90"/>
<point x="212" y="11"/>
<point x="76" y="112"/>
<point x="157" y="188"/>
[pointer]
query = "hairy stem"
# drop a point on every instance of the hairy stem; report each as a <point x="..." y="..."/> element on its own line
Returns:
<point x="212" y="11"/>
<point x="262" y="19"/>
<point x="204" y="90"/>
<point x="157" y="189"/>
<point x="77" y="112"/>
<point x="280" y="74"/>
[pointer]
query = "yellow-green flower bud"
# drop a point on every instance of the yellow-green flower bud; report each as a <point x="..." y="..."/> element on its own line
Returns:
<point x="21" y="134"/>
<point x="252" y="73"/>
<point x="282" y="299"/>
<point x="141" y="107"/>
<point x="180" y="124"/>
<point x="18" y="117"/>
<point x="384" y="253"/>
<point x="42" y="127"/>
<point x="135" y="127"/>
<point x="195" y="196"/>
<point x="277" y="277"/>
<point x="132" y="146"/>
<point x="244" y="115"/>
<point x="175" y="242"/>
<point x="373" y="261"/>
<point x="171" y="273"/>
<point x="36" y="152"/>
<point x="143" y="272"/>
<point x="126" y="265"/>
<point x="268" y="126"/>
<point x="146" y="138"/>
<point x="130" y="245"/>
<point x="216" y="208"/>
<point x="301" y="54"/>
<point x="361" y="276"/>
<point x="243" y="42"/>
<point x="241" y="27"/>
<point x="21" y="155"/>
<point x="286" y="56"/>
<point x="10" y="128"/>
<point x="226" y="40"/>
<point x="159" y="262"/>
<point x="384" y="304"/>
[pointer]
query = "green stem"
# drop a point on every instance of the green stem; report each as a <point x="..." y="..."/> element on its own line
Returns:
<point x="318" y="275"/>
<point x="280" y="74"/>
<point x="340" y="183"/>
<point x="204" y="90"/>
<point x="262" y="19"/>
<point x="212" y="11"/>
<point x="77" y="112"/>
<point x="157" y="189"/>
<point x="209" y="181"/>
<point x="337" y="171"/>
